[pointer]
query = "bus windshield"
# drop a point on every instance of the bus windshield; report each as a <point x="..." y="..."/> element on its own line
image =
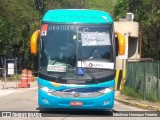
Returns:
<point x="64" y="48"/>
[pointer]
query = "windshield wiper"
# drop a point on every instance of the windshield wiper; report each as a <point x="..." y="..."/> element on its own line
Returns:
<point x="71" y="62"/>
<point x="59" y="78"/>
<point x="89" y="72"/>
<point x="53" y="62"/>
<point x="92" y="51"/>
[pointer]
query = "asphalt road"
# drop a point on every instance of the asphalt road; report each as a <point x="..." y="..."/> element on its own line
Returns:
<point x="26" y="100"/>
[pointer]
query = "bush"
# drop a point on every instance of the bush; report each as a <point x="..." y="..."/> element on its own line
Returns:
<point x="131" y="92"/>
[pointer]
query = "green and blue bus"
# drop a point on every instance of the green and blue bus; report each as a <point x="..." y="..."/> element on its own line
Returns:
<point x="77" y="51"/>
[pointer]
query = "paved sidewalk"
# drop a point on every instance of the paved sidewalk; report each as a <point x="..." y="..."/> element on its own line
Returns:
<point x="137" y="103"/>
<point x="12" y="87"/>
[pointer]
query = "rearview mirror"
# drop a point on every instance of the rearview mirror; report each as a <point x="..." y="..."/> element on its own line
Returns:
<point x="34" y="39"/>
<point x="121" y="43"/>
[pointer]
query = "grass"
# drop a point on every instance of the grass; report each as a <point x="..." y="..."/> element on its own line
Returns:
<point x="12" y="77"/>
<point x="152" y="98"/>
<point x="139" y="95"/>
<point x="131" y="92"/>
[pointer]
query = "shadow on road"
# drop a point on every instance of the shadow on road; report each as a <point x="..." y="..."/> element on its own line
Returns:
<point x="47" y="112"/>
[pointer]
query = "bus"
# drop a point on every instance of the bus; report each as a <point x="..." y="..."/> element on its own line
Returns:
<point x="77" y="51"/>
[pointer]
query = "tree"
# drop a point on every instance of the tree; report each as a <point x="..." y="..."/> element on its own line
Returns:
<point x="18" y="20"/>
<point x="147" y="13"/>
<point x="106" y="5"/>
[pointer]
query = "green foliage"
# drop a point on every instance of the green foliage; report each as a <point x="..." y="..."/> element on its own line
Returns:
<point x="106" y="5"/>
<point x="132" y="93"/>
<point x="139" y="95"/>
<point x="147" y="13"/>
<point x="18" y="20"/>
<point x="120" y="8"/>
<point x="151" y="97"/>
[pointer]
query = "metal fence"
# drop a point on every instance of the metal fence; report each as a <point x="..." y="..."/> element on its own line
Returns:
<point x="144" y="78"/>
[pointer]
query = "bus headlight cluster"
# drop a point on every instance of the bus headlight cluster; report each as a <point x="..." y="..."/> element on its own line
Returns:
<point x="106" y="90"/>
<point x="46" y="89"/>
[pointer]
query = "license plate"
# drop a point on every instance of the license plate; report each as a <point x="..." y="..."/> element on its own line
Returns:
<point x="76" y="103"/>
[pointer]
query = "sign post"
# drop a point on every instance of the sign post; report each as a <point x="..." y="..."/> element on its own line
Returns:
<point x="10" y="69"/>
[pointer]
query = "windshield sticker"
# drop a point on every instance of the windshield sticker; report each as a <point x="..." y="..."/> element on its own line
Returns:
<point x="95" y="64"/>
<point x="94" y="38"/>
<point x="56" y="68"/>
<point x="44" y="30"/>
<point x="80" y="71"/>
<point x="74" y="37"/>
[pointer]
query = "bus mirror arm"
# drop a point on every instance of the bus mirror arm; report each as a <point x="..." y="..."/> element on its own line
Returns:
<point x="121" y="43"/>
<point x="34" y="41"/>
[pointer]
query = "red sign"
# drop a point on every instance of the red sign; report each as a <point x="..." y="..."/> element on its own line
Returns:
<point x="44" y="29"/>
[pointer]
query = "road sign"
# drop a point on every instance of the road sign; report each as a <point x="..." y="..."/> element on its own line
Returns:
<point x="11" y="68"/>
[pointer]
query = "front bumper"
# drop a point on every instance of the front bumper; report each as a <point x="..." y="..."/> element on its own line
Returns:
<point x="105" y="101"/>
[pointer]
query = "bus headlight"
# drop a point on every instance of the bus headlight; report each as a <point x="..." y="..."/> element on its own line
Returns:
<point x="106" y="90"/>
<point x="46" y="89"/>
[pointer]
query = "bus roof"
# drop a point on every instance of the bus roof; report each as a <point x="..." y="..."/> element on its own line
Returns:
<point x="77" y="16"/>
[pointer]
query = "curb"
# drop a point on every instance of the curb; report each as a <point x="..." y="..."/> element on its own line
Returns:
<point x="139" y="105"/>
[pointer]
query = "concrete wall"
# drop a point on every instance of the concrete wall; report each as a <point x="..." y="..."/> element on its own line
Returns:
<point x="126" y="27"/>
<point x="130" y="31"/>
